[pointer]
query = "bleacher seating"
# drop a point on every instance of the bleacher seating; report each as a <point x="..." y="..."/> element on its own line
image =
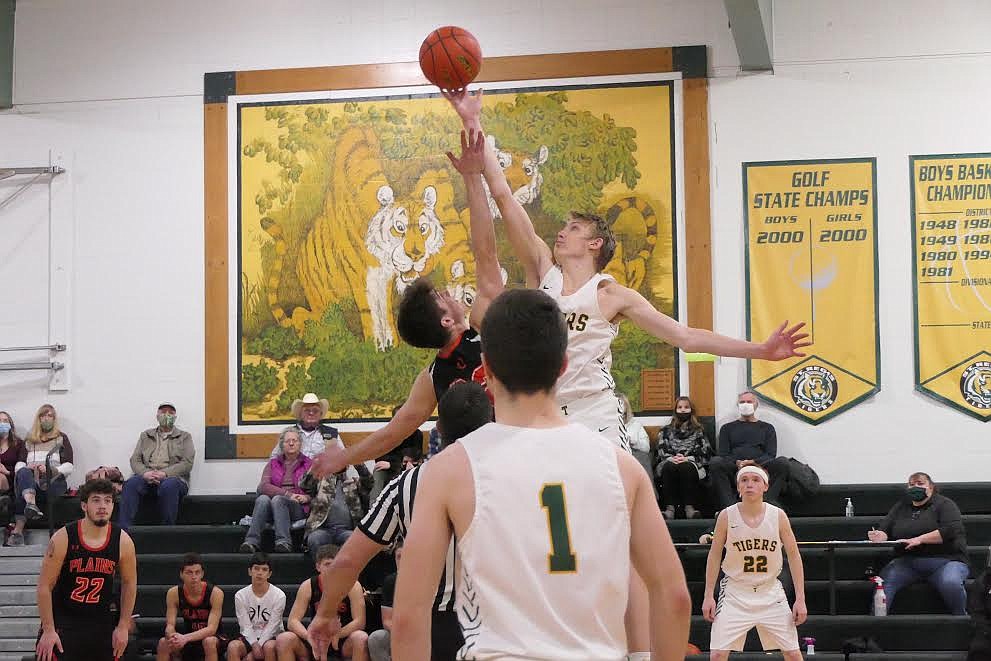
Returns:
<point x="919" y="629"/>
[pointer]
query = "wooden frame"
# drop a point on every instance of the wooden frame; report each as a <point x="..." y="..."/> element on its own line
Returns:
<point x="690" y="61"/>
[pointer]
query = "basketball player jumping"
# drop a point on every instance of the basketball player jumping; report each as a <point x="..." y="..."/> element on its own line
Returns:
<point x="750" y="595"/>
<point x="75" y="588"/>
<point x="547" y="518"/>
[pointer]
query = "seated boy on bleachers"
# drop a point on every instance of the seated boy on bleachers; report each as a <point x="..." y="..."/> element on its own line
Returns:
<point x="259" y="608"/>
<point x="200" y="605"/>
<point x="350" y="640"/>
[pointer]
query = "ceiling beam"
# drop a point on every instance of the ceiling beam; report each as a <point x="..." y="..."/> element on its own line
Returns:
<point x="750" y="22"/>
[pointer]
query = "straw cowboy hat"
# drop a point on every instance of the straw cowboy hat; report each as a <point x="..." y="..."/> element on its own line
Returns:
<point x="309" y="398"/>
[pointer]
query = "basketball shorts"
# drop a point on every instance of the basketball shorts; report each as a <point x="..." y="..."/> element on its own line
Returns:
<point x="742" y="607"/>
<point x="91" y="641"/>
<point x="194" y="651"/>
<point x="445" y="636"/>
<point x="602" y="413"/>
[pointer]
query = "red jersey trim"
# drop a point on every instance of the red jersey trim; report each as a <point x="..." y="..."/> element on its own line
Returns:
<point x="202" y="596"/>
<point x="82" y="540"/>
<point x="446" y="352"/>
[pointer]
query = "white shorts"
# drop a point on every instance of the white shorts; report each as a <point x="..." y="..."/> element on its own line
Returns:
<point x="602" y="413"/>
<point x="742" y="607"/>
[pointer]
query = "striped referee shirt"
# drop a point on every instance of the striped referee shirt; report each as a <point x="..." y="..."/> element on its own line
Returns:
<point x="389" y="519"/>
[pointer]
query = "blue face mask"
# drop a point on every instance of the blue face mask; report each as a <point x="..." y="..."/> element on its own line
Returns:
<point x="4" y="428"/>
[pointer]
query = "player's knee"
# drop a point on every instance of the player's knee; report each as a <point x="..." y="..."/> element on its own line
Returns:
<point x="163" y="644"/>
<point x="285" y="641"/>
<point x="269" y="645"/>
<point x="210" y="643"/>
<point x="358" y="637"/>
<point x="719" y="655"/>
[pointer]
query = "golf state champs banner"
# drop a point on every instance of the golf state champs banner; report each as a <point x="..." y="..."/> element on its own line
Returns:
<point x="811" y="256"/>
<point x="951" y="235"/>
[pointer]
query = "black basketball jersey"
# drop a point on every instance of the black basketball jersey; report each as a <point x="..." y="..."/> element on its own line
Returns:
<point x="85" y="586"/>
<point x="195" y="614"/>
<point x="316" y="593"/>
<point x="461" y="362"/>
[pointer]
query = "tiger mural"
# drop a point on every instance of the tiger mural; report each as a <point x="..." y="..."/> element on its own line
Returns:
<point x="522" y="174"/>
<point x="366" y="245"/>
<point x="629" y="266"/>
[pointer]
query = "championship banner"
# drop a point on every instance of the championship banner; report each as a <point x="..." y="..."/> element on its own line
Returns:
<point x="951" y="235"/>
<point x="812" y="256"/>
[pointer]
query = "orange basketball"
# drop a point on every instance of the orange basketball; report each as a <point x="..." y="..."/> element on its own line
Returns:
<point x="450" y="57"/>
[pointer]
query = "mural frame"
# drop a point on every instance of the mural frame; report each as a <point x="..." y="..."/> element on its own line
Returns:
<point x="689" y="61"/>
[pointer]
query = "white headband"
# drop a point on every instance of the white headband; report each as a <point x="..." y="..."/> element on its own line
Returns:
<point x="753" y="470"/>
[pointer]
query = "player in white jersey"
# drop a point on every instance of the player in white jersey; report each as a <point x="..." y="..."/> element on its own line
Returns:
<point x="594" y="304"/>
<point x="753" y="533"/>
<point x="547" y="516"/>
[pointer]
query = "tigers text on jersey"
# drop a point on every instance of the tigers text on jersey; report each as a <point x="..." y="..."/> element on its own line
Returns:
<point x="84" y="588"/>
<point x="545" y="561"/>
<point x="753" y="555"/>
<point x="590" y="337"/>
<point x="388" y="519"/>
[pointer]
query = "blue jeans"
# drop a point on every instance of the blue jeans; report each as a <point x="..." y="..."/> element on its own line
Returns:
<point x="328" y="533"/>
<point x="280" y="511"/>
<point x="945" y="575"/>
<point x="24" y="481"/>
<point x="170" y="492"/>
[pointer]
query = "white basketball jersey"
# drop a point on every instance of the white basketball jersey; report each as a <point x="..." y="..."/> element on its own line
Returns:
<point x="545" y="562"/>
<point x="590" y="336"/>
<point x="753" y="555"/>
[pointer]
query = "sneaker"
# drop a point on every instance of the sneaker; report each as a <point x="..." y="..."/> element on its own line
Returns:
<point x="33" y="512"/>
<point x="248" y="548"/>
<point x="15" y="539"/>
<point x="283" y="547"/>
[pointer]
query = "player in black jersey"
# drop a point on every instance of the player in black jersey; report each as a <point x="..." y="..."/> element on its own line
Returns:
<point x="200" y="605"/>
<point x="350" y="641"/>
<point x="430" y="318"/>
<point x="75" y="588"/>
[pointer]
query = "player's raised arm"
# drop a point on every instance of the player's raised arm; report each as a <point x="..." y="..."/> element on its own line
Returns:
<point x="488" y="275"/>
<point x="656" y="560"/>
<point x="530" y="249"/>
<point x="616" y="301"/>
<point x="712" y="567"/>
<point x="51" y="566"/>
<point x="417" y="409"/>
<point x="424" y="556"/>
<point x="795" y="566"/>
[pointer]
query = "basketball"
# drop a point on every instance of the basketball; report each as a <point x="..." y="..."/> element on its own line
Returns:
<point x="450" y="57"/>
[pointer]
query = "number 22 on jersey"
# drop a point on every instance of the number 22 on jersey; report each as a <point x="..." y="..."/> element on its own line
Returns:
<point x="562" y="558"/>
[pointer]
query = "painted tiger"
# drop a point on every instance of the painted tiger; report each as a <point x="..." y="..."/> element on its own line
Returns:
<point x="630" y="268"/>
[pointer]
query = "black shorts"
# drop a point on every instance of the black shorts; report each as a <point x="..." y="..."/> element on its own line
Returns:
<point x="93" y="641"/>
<point x="194" y="651"/>
<point x="445" y="636"/>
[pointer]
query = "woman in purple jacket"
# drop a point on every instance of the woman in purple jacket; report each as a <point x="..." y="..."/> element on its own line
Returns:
<point x="280" y="500"/>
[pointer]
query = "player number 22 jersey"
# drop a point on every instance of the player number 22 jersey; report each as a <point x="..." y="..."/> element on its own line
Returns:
<point x="753" y="555"/>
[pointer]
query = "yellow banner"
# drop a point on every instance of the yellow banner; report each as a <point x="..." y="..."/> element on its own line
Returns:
<point x="812" y="257"/>
<point x="951" y="235"/>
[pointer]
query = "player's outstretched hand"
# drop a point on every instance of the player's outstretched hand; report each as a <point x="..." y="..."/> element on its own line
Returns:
<point x="467" y="105"/>
<point x="472" y="159"/>
<point x="785" y="342"/>
<point x="709" y="609"/>
<point x="48" y="642"/>
<point x="800" y="612"/>
<point x="332" y="460"/>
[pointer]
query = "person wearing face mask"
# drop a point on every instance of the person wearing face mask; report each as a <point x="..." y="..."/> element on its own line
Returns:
<point x="10" y="448"/>
<point x="682" y="459"/>
<point x="162" y="461"/>
<point x="933" y="542"/>
<point x="746" y="441"/>
<point x="44" y="463"/>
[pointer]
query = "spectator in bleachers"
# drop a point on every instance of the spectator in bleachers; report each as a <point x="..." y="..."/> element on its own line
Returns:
<point x="979" y="605"/>
<point x="683" y="454"/>
<point x="162" y="462"/>
<point x="337" y="503"/>
<point x="259" y="608"/>
<point x="10" y="449"/>
<point x="746" y="441"/>
<point x="200" y="605"/>
<point x="934" y="544"/>
<point x="412" y="458"/>
<point x="313" y="434"/>
<point x="44" y="464"/>
<point x="390" y="464"/>
<point x="380" y="641"/>
<point x="280" y="501"/>
<point x="350" y="641"/>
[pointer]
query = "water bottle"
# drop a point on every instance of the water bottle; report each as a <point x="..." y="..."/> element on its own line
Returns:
<point x="849" y="508"/>
<point x="810" y="646"/>
<point x="880" y="602"/>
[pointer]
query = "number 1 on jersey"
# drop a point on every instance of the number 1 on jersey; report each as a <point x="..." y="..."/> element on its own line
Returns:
<point x="561" y="559"/>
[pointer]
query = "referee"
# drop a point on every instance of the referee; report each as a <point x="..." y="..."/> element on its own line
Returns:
<point x="464" y="408"/>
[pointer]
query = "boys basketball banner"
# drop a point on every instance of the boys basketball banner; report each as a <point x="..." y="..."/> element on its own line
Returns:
<point x="811" y="256"/>
<point x="951" y="235"/>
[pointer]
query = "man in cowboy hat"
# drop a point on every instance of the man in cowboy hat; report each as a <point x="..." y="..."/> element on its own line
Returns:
<point x="314" y="435"/>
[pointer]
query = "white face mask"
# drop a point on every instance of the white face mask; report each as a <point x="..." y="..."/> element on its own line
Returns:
<point x="746" y="409"/>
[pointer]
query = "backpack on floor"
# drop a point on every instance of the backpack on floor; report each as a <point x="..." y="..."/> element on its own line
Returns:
<point x="803" y="483"/>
